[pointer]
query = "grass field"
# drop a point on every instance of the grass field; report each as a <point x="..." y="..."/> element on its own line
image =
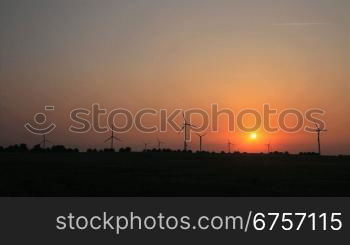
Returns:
<point x="172" y="174"/>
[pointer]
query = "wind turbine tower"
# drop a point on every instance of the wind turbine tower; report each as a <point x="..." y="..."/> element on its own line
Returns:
<point x="229" y="144"/>
<point x="112" y="138"/>
<point x="159" y="144"/>
<point x="268" y="147"/>
<point x="44" y="141"/>
<point x="184" y="129"/>
<point x="200" y="141"/>
<point x="318" y="130"/>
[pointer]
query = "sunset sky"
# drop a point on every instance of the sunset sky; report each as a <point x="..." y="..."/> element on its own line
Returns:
<point x="176" y="54"/>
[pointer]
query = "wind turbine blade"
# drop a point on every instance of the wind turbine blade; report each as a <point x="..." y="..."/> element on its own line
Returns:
<point x="317" y="126"/>
<point x="193" y="126"/>
<point x="180" y="131"/>
<point x="108" y="139"/>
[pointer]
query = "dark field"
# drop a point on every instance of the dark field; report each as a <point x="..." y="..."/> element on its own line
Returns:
<point x="172" y="174"/>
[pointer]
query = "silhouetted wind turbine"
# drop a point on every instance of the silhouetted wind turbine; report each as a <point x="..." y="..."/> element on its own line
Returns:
<point x="184" y="129"/>
<point x="112" y="138"/>
<point x="268" y="147"/>
<point x="146" y="144"/>
<point x="44" y="141"/>
<point x="159" y="144"/>
<point x="229" y="144"/>
<point x="200" y="140"/>
<point x="319" y="130"/>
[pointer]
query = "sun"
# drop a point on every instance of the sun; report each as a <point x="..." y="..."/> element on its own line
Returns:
<point x="253" y="136"/>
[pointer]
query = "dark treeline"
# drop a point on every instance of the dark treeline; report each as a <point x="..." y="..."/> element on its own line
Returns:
<point x="62" y="148"/>
<point x="36" y="148"/>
